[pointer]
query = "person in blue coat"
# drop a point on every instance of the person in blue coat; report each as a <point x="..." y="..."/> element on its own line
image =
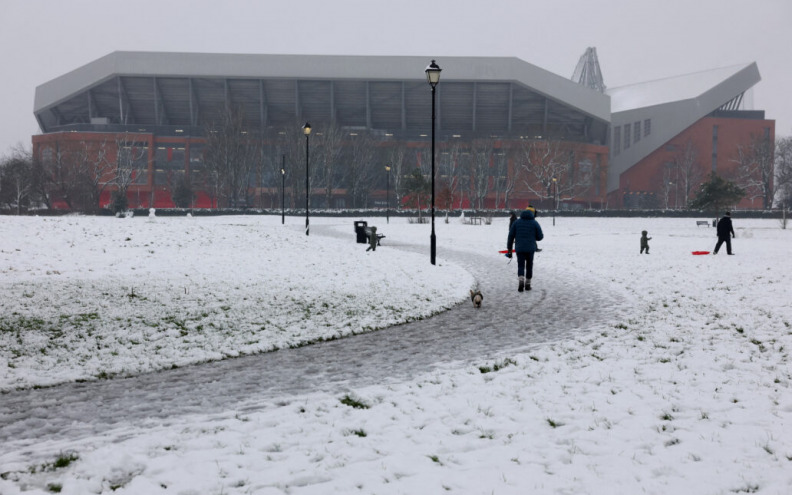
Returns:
<point x="525" y="232"/>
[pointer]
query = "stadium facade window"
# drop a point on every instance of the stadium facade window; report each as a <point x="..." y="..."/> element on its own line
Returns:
<point x="596" y="175"/>
<point x="627" y="136"/>
<point x="616" y="140"/>
<point x="637" y="132"/>
<point x="647" y="127"/>
<point x="48" y="155"/>
<point x="197" y="168"/>
<point x="169" y="163"/>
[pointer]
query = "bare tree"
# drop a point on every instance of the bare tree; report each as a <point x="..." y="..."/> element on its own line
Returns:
<point x="539" y="163"/>
<point x="480" y="168"/>
<point x="92" y="173"/>
<point x="783" y="171"/>
<point x="667" y="178"/>
<point x="329" y="147"/>
<point x="131" y="161"/>
<point x="291" y="142"/>
<point x="231" y="155"/>
<point x="503" y="181"/>
<point x="688" y="171"/>
<point x="451" y="170"/>
<point x="16" y="180"/>
<point x="549" y="170"/>
<point x="396" y="158"/>
<point x="579" y="176"/>
<point x="755" y="169"/>
<point x="360" y="152"/>
<point x="417" y="189"/>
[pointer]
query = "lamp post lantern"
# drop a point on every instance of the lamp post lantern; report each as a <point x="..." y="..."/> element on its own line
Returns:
<point x="387" y="194"/>
<point x="433" y="77"/>
<point x="307" y="132"/>
<point x="283" y="190"/>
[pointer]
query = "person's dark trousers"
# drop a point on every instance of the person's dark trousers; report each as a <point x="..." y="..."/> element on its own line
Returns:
<point x="721" y="240"/>
<point x="525" y="264"/>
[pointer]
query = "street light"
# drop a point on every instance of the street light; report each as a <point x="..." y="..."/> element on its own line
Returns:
<point x="283" y="191"/>
<point x="387" y="194"/>
<point x="433" y="77"/>
<point x="307" y="132"/>
<point x="555" y="196"/>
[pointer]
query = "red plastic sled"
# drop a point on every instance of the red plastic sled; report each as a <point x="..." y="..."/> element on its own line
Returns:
<point x="698" y="253"/>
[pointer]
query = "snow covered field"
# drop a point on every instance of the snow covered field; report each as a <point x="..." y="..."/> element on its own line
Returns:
<point x="687" y="390"/>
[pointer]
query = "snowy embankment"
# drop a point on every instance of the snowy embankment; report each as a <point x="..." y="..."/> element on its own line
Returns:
<point x="87" y="297"/>
<point x="686" y="391"/>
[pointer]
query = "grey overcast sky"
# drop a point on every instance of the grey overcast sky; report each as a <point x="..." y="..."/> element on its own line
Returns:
<point x="636" y="40"/>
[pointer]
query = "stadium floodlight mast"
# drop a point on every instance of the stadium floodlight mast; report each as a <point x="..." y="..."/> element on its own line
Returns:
<point x="433" y="77"/>
<point x="307" y="131"/>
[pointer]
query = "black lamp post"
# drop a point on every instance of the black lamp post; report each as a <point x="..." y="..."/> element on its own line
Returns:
<point x="283" y="191"/>
<point x="555" y="195"/>
<point x="433" y="77"/>
<point x="307" y="132"/>
<point x="387" y="194"/>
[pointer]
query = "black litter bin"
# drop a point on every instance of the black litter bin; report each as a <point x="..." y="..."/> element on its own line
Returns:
<point x="360" y="231"/>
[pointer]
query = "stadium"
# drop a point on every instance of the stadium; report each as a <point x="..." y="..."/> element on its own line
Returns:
<point x="206" y="130"/>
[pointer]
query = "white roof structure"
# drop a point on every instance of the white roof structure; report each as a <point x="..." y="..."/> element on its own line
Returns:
<point x="670" y="106"/>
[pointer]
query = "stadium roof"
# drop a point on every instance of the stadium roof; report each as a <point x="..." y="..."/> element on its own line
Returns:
<point x="676" y="88"/>
<point x="497" y="95"/>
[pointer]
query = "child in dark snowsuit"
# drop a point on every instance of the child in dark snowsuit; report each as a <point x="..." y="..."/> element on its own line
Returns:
<point x="645" y="242"/>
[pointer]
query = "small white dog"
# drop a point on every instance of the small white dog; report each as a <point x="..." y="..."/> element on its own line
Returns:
<point x="476" y="296"/>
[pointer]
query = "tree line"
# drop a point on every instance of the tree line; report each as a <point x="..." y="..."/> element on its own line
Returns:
<point x="762" y="170"/>
<point x="349" y="165"/>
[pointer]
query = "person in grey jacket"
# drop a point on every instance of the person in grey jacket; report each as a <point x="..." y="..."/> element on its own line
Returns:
<point x="525" y="232"/>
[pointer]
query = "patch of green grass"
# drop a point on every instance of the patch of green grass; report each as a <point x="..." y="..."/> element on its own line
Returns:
<point x="360" y="432"/>
<point x="62" y="461"/>
<point x="347" y="400"/>
<point x="497" y="366"/>
<point x="23" y="323"/>
<point x="54" y="487"/>
<point x="553" y="423"/>
<point x="747" y="489"/>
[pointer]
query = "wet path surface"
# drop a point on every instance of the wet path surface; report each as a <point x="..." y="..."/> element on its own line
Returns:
<point x="558" y="307"/>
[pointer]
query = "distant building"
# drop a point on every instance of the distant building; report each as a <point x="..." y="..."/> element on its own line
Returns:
<point x="532" y="135"/>
<point x="669" y="131"/>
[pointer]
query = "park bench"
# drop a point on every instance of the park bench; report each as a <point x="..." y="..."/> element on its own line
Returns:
<point x="368" y="235"/>
<point x="705" y="223"/>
